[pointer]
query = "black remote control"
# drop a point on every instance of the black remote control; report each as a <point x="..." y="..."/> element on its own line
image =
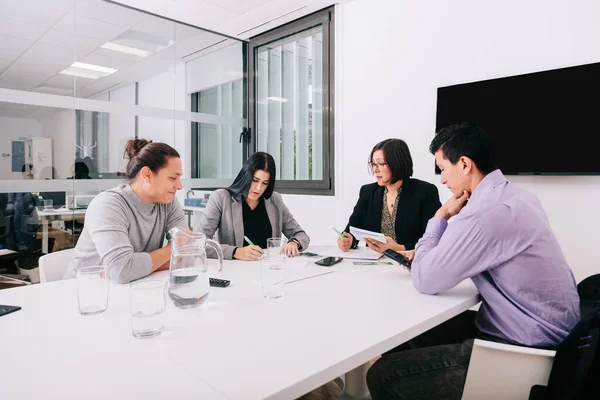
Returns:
<point x="219" y="282"/>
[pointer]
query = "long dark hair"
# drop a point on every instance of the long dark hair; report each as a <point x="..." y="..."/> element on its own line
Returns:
<point x="258" y="161"/>
<point x="144" y="153"/>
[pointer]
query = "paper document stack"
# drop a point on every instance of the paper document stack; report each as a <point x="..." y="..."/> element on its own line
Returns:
<point x="362" y="234"/>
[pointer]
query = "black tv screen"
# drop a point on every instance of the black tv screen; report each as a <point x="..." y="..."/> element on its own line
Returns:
<point x="539" y="123"/>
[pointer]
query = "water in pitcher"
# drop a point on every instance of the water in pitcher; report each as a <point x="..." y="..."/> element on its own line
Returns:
<point x="188" y="287"/>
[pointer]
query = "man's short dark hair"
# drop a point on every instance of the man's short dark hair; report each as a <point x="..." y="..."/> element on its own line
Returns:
<point x="466" y="139"/>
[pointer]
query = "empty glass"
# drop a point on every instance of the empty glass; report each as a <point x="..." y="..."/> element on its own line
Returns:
<point x="276" y="246"/>
<point x="272" y="276"/>
<point x="148" y="306"/>
<point x="92" y="289"/>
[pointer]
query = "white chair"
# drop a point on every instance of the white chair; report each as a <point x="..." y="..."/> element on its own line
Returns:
<point x="53" y="265"/>
<point x="503" y="371"/>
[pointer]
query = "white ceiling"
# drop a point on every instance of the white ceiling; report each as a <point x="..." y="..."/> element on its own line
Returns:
<point x="237" y="18"/>
<point x="41" y="38"/>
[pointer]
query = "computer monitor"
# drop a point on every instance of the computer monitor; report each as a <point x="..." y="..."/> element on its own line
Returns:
<point x="58" y="198"/>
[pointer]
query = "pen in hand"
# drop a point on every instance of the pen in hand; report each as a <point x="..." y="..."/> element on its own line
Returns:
<point x="339" y="233"/>
<point x="251" y="244"/>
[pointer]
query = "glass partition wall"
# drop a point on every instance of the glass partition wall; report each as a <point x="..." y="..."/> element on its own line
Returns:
<point x="77" y="82"/>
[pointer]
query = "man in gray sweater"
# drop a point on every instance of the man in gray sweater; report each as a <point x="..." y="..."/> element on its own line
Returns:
<point x="125" y="227"/>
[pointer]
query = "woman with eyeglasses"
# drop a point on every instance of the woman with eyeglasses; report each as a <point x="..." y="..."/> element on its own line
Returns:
<point x="249" y="208"/>
<point x="396" y="205"/>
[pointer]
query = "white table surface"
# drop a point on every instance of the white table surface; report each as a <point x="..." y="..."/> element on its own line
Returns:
<point x="238" y="345"/>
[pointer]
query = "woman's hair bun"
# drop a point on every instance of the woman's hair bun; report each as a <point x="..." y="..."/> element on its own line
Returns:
<point x="133" y="147"/>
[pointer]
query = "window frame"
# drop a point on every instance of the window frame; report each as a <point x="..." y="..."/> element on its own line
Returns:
<point x="325" y="17"/>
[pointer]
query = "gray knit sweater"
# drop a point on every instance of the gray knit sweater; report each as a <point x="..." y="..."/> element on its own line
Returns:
<point x="120" y="229"/>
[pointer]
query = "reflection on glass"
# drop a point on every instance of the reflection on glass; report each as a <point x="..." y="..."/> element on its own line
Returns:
<point x="289" y="88"/>
<point x="220" y="154"/>
<point x="91" y="77"/>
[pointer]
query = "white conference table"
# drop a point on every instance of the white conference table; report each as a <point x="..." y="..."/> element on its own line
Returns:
<point x="238" y="345"/>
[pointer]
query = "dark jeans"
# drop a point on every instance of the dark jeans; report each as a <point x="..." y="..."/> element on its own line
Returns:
<point x="431" y="366"/>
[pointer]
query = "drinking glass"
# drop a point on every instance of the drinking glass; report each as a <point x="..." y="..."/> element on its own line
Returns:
<point x="92" y="289"/>
<point x="148" y="306"/>
<point x="276" y="246"/>
<point x="272" y="276"/>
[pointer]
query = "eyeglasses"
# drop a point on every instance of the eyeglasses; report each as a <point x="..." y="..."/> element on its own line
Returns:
<point x="380" y="164"/>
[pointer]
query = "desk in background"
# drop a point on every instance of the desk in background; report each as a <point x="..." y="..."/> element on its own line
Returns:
<point x="65" y="214"/>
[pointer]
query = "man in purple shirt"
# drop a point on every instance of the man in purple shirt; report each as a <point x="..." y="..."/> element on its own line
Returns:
<point x="498" y="236"/>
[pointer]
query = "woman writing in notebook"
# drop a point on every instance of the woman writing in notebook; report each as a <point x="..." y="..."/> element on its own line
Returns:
<point x="396" y="205"/>
<point x="249" y="208"/>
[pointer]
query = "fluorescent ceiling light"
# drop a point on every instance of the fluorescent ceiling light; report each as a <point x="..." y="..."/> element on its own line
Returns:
<point x="280" y="99"/>
<point x="93" y="67"/>
<point x="80" y="74"/>
<point x="126" y="49"/>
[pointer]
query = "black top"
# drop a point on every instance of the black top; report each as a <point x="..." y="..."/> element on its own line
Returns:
<point x="257" y="226"/>
<point x="418" y="202"/>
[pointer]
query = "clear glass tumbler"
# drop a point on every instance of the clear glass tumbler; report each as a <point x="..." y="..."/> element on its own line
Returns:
<point x="92" y="289"/>
<point x="148" y="307"/>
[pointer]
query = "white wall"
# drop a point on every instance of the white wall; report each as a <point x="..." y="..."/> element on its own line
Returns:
<point x="392" y="56"/>
<point x="13" y="129"/>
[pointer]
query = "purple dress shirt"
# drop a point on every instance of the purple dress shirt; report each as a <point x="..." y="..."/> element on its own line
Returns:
<point x="503" y="241"/>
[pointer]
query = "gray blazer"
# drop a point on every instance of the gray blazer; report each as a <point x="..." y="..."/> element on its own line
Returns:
<point x="223" y="215"/>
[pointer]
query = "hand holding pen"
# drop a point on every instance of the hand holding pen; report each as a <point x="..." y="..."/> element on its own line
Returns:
<point x="344" y="240"/>
<point x="248" y="253"/>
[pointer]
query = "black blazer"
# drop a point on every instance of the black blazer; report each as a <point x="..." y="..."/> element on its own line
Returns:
<point x="418" y="202"/>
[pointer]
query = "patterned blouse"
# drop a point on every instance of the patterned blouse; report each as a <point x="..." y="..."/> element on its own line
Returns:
<point x="388" y="222"/>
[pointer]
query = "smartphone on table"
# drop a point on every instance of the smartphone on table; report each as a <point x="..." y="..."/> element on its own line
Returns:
<point x="329" y="261"/>
<point x="8" y="309"/>
<point x="394" y="255"/>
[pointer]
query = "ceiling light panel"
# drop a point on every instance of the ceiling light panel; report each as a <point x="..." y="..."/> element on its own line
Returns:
<point x="93" y="67"/>
<point x="81" y="73"/>
<point x="119" y="48"/>
<point x="98" y="58"/>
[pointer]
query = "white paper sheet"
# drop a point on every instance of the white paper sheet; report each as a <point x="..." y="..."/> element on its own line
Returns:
<point x="360" y="253"/>
<point x="361" y="234"/>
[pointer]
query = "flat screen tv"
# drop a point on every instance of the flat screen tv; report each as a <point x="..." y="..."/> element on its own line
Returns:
<point x="542" y="123"/>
